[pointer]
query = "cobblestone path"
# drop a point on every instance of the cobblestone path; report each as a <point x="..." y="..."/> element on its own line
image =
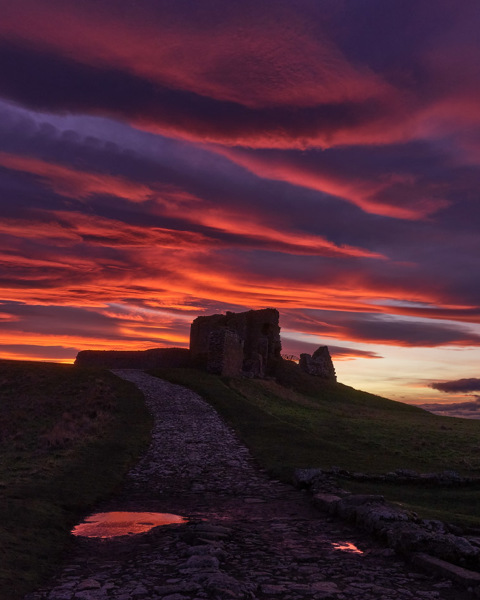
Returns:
<point x="247" y="537"/>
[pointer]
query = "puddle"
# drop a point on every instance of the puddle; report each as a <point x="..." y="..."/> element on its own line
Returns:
<point x="113" y="524"/>
<point x="347" y="547"/>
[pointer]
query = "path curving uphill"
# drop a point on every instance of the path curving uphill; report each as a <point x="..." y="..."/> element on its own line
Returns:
<point x="247" y="537"/>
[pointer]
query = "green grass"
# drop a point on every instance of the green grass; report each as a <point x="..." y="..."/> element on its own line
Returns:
<point x="301" y="421"/>
<point x="460" y="506"/>
<point x="67" y="437"/>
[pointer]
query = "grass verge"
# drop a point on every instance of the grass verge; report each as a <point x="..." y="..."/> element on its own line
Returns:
<point x="300" y="421"/>
<point x="67" y="438"/>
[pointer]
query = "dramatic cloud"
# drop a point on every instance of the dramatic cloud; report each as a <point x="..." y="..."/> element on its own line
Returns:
<point x="164" y="110"/>
<point x="162" y="160"/>
<point x="247" y="65"/>
<point x="76" y="184"/>
<point x="74" y="328"/>
<point x="283" y="78"/>
<point x="364" y="178"/>
<point x="381" y="329"/>
<point x="460" y="385"/>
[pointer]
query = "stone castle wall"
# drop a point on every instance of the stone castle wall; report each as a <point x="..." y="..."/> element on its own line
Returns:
<point x="134" y="359"/>
<point x="319" y="364"/>
<point x="225" y="353"/>
<point x="232" y="344"/>
<point x="258" y="332"/>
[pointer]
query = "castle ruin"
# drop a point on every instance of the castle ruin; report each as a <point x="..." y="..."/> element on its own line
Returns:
<point x="319" y="364"/>
<point x="232" y="344"/>
<point x="236" y="343"/>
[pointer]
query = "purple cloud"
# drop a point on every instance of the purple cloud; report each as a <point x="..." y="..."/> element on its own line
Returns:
<point x="467" y="410"/>
<point x="459" y="385"/>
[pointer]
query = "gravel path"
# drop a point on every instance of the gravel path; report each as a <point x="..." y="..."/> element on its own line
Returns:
<point x="247" y="537"/>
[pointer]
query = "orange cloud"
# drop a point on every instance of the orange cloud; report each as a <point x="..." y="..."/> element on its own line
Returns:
<point x="5" y="317"/>
<point x="170" y="201"/>
<point x="381" y="329"/>
<point x="175" y="271"/>
<point x="370" y="194"/>
<point x="130" y="340"/>
<point x="50" y="259"/>
<point x="74" y="183"/>
<point x="64" y="228"/>
<point x="447" y="312"/>
<point x="277" y="239"/>
<point x="29" y="354"/>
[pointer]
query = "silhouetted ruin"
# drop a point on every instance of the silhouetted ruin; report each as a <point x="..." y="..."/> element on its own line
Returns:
<point x="134" y="359"/>
<point x="232" y="344"/>
<point x="318" y="364"/>
<point x="236" y="343"/>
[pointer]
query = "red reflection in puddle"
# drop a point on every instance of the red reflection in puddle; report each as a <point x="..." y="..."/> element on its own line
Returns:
<point x="112" y="524"/>
<point x="347" y="547"/>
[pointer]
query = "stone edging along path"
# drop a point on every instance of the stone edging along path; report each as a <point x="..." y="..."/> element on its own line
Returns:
<point x="430" y="543"/>
<point x="247" y="536"/>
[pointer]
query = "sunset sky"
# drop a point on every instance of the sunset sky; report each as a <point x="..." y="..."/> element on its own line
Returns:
<point x="164" y="159"/>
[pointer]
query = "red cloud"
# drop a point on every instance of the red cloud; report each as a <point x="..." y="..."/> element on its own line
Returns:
<point x="105" y="260"/>
<point x="269" y="80"/>
<point x="258" y="59"/>
<point x="465" y="313"/>
<point x="244" y="74"/>
<point x="172" y="202"/>
<point x="382" y="329"/>
<point x="259" y="76"/>
<point x="273" y="238"/>
<point x="393" y="195"/>
<point x="74" y="183"/>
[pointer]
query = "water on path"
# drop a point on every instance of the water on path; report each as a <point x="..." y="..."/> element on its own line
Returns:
<point x="117" y="523"/>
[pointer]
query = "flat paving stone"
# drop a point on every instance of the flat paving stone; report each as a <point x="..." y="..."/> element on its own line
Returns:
<point x="246" y="537"/>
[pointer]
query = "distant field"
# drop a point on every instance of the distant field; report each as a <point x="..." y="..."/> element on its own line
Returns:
<point x="67" y="437"/>
<point x="300" y="421"/>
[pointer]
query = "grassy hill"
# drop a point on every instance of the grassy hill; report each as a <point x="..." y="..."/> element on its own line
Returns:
<point x="67" y="438"/>
<point x="68" y="435"/>
<point x="301" y="421"/>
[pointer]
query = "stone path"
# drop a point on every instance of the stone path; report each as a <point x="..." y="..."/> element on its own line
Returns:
<point x="248" y="537"/>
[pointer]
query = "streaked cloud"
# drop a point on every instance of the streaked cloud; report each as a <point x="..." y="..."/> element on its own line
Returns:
<point x="460" y="385"/>
<point x="382" y="329"/>
<point x="162" y="160"/>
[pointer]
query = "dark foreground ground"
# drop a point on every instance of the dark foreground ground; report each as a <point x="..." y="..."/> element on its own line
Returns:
<point x="247" y="537"/>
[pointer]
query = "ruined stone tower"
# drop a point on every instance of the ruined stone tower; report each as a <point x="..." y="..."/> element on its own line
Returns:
<point x="235" y="343"/>
<point x="319" y="364"/>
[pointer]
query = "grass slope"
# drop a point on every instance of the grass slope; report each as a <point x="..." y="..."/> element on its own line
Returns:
<point x="300" y="421"/>
<point x="67" y="437"/>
